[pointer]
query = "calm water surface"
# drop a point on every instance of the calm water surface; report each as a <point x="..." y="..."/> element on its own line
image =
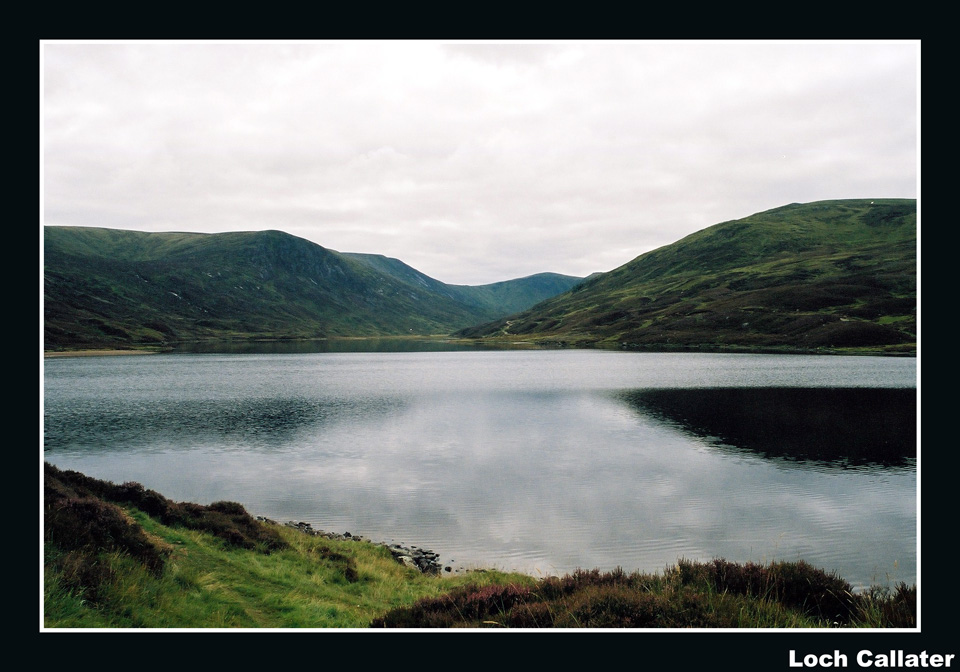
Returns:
<point x="540" y="461"/>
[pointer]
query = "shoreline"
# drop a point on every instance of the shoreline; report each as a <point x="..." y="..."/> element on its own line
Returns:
<point x="95" y="353"/>
<point x="423" y="560"/>
<point x="529" y="344"/>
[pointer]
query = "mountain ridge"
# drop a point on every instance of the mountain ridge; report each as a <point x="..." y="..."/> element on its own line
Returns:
<point x="823" y="275"/>
<point x="838" y="275"/>
<point x="504" y="297"/>
<point x="115" y="288"/>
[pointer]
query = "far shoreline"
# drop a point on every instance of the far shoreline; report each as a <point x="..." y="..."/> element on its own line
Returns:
<point x="95" y="353"/>
<point x="494" y="344"/>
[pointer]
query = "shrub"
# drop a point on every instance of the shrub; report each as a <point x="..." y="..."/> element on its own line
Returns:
<point x="344" y="564"/>
<point x="879" y="608"/>
<point x="228" y="508"/>
<point x="492" y="600"/>
<point x="226" y="520"/>
<point x="89" y="524"/>
<point x="716" y="594"/>
<point x="531" y="615"/>
<point x="614" y="606"/>
<point x="797" y="585"/>
<point x="84" y="574"/>
<point x="469" y="606"/>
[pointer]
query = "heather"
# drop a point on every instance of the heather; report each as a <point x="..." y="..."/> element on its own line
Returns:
<point x="123" y="556"/>
<point x="715" y="594"/>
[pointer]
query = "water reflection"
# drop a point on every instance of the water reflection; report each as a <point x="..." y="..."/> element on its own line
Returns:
<point x="542" y="461"/>
<point x="828" y="426"/>
<point x="252" y="423"/>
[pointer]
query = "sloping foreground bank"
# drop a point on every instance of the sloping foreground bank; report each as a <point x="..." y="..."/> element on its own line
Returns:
<point x="122" y="556"/>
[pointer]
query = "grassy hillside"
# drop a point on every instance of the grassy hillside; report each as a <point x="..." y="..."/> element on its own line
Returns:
<point x="110" y="288"/>
<point x="122" y="556"/>
<point x="831" y="275"/>
<point x="825" y="275"/>
<point x="494" y="300"/>
<point x="512" y="296"/>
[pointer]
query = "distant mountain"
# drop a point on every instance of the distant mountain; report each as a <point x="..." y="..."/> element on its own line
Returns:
<point x="496" y="299"/>
<point x="830" y="274"/>
<point x="105" y="287"/>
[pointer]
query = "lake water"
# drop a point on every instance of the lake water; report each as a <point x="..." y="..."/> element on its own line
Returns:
<point x="541" y="461"/>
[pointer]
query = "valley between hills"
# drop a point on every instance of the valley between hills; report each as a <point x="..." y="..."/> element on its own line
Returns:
<point x="828" y="276"/>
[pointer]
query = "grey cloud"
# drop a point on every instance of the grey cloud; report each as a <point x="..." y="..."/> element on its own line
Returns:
<point x="472" y="162"/>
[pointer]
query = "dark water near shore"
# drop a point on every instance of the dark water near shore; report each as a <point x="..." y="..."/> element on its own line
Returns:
<point x="542" y="461"/>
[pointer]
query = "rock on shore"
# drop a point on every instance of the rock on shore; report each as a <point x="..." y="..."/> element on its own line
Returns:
<point x="421" y="559"/>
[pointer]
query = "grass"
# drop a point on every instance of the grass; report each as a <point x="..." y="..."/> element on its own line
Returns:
<point x="206" y="583"/>
<point x="108" y="563"/>
<point x="121" y="556"/>
<point x="716" y="594"/>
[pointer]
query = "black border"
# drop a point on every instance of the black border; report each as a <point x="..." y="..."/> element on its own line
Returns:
<point x="688" y="650"/>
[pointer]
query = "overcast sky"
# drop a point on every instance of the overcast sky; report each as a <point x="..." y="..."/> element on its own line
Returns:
<point x="472" y="162"/>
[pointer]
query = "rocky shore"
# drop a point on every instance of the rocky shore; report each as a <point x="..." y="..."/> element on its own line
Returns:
<point x="421" y="559"/>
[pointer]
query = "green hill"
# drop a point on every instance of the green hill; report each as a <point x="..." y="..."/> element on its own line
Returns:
<point x="824" y="275"/>
<point x="111" y="288"/>
<point x="493" y="300"/>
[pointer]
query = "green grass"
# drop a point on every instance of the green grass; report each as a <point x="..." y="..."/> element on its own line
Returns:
<point x="121" y="556"/>
<point x="108" y="563"/>
<point x="313" y="583"/>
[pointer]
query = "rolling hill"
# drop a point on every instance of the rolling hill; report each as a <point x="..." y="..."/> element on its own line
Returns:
<point x="825" y="275"/>
<point x="496" y="299"/>
<point x="829" y="275"/>
<point x="112" y="288"/>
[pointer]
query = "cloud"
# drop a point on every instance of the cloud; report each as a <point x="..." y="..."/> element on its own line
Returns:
<point x="473" y="162"/>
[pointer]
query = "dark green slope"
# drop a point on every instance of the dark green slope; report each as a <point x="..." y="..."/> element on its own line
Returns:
<point x="493" y="300"/>
<point x="512" y="296"/>
<point x="830" y="274"/>
<point x="109" y="288"/>
<point x="401" y="271"/>
<point x="105" y="287"/>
